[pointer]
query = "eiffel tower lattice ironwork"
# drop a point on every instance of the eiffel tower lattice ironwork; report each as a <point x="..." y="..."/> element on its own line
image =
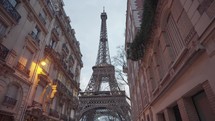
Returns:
<point x="102" y="97"/>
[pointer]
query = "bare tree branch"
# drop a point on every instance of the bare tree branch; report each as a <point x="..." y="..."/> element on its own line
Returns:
<point x="119" y="61"/>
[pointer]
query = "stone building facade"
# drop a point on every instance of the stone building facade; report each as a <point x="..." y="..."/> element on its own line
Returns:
<point x="40" y="62"/>
<point x="173" y="78"/>
<point x="133" y="23"/>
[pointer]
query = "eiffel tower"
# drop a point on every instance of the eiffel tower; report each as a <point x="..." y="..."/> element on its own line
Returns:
<point x="102" y="99"/>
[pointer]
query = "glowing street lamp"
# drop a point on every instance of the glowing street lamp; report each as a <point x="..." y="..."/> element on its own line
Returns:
<point x="43" y="63"/>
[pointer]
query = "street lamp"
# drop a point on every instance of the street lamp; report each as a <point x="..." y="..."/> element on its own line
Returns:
<point x="43" y="63"/>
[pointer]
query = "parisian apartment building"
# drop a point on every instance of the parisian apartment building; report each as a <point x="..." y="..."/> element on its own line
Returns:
<point x="40" y="62"/>
<point x="170" y="47"/>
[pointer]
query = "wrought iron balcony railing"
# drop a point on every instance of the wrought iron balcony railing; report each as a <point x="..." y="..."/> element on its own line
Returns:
<point x="62" y="88"/>
<point x="35" y="38"/>
<point x="42" y="19"/>
<point x="8" y="101"/>
<point x="64" y="64"/>
<point x="54" y="30"/>
<point x="50" y="7"/>
<point x="3" y="52"/>
<point x="10" y="9"/>
<point x="71" y="73"/>
<point x="22" y="68"/>
<point x="52" y="53"/>
<point x="54" y="113"/>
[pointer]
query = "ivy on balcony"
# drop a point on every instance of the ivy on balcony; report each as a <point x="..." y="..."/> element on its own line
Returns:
<point x="137" y="48"/>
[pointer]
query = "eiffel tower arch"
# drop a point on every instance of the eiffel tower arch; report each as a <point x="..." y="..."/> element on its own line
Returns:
<point x="102" y="96"/>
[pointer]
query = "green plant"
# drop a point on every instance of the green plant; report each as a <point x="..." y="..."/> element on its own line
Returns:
<point x="141" y="40"/>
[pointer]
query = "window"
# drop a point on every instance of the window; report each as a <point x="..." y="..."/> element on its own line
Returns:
<point x="148" y="119"/>
<point x="152" y="75"/>
<point x="68" y="84"/>
<point x="61" y="78"/>
<point x="42" y="16"/>
<point x="25" y="59"/>
<point x="65" y="49"/>
<point x="161" y="117"/>
<point x="72" y="113"/>
<point x="35" y="32"/>
<point x="24" y="62"/>
<point x="63" y="108"/>
<point x="38" y="94"/>
<point x="203" y="107"/>
<point x="71" y="59"/>
<point x="12" y="91"/>
<point x="173" y="36"/>
<point x="204" y="4"/>
<point x="52" y="43"/>
<point x="13" y="2"/>
<point x="11" y="96"/>
<point x="177" y="113"/>
<point x="3" y="28"/>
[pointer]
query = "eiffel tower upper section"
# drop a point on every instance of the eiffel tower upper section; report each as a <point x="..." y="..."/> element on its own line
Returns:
<point x="103" y="57"/>
<point x="103" y="71"/>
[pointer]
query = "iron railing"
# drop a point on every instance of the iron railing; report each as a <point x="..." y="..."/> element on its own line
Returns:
<point x="62" y="88"/>
<point x="10" y="9"/>
<point x="9" y="101"/>
<point x="54" y="30"/>
<point x="50" y="7"/>
<point x="35" y="38"/>
<point x="22" y="68"/>
<point x="42" y="19"/>
<point x="3" y="52"/>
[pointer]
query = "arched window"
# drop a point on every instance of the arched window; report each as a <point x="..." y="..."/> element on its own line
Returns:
<point x="11" y="96"/>
<point x="12" y="91"/>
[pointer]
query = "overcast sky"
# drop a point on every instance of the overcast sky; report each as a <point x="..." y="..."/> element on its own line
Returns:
<point x="85" y="19"/>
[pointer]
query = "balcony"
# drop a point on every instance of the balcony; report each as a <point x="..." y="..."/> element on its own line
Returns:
<point x="3" y="52"/>
<point x="52" y="53"/>
<point x="64" y="64"/>
<point x="49" y="7"/>
<point x="22" y="68"/>
<point x="53" y="113"/>
<point x="70" y="73"/>
<point x="8" y="101"/>
<point x="35" y="38"/>
<point x="62" y="88"/>
<point x="55" y="32"/>
<point x="10" y="9"/>
<point x="42" y="19"/>
<point x="65" y="48"/>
